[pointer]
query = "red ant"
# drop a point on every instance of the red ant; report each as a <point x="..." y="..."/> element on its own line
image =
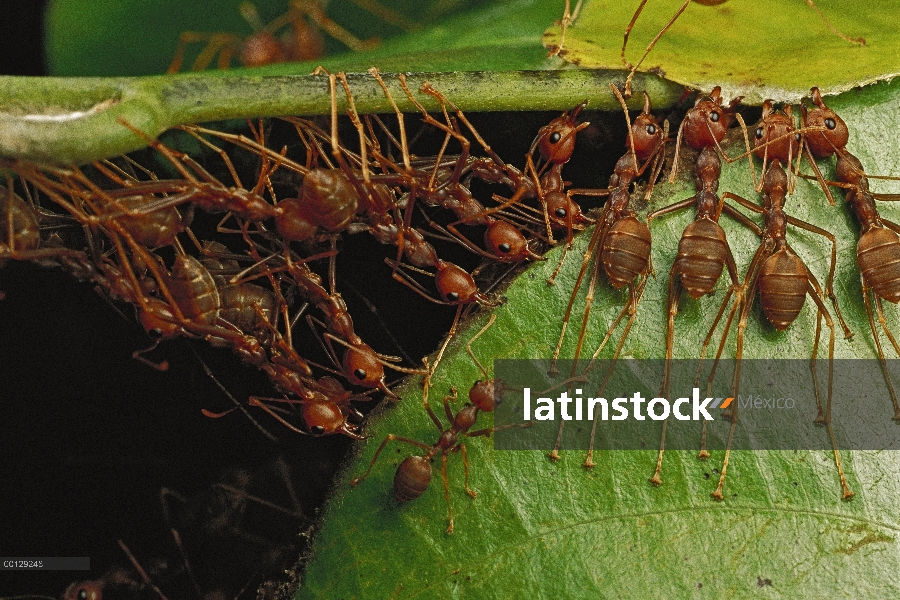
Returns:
<point x="302" y="42"/>
<point x="503" y="240"/>
<point x="414" y="474"/>
<point x="20" y="232"/>
<point x="556" y="143"/>
<point x="703" y="250"/>
<point x="620" y="238"/>
<point x="878" y="249"/>
<point x="783" y="282"/>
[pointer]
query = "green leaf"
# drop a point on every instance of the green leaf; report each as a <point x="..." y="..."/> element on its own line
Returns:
<point x="760" y="49"/>
<point x="132" y="37"/>
<point x="539" y="529"/>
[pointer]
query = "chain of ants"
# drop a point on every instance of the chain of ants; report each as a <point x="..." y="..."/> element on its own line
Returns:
<point x="249" y="301"/>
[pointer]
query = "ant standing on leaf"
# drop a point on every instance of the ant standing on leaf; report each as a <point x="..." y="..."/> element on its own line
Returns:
<point x="620" y="240"/>
<point x="414" y="474"/>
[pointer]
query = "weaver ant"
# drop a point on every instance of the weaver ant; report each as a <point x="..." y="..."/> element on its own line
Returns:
<point x="503" y="240"/>
<point x="620" y="239"/>
<point x="703" y="249"/>
<point x="302" y="42"/>
<point x="555" y="142"/>
<point x="878" y="248"/>
<point x="783" y="282"/>
<point x="414" y="474"/>
<point x="20" y="232"/>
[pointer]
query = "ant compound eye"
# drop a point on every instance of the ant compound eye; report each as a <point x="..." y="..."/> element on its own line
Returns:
<point x="452" y="296"/>
<point x="360" y="374"/>
<point x="504" y="248"/>
<point x="155" y="334"/>
<point x="555" y="137"/>
<point x="561" y="213"/>
<point x="651" y="129"/>
<point x="317" y="430"/>
<point x="759" y="133"/>
<point x="714" y="116"/>
<point x="830" y="124"/>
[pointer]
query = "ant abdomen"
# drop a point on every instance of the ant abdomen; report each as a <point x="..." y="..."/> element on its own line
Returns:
<point x="482" y="395"/>
<point x="412" y="478"/>
<point x="878" y="253"/>
<point x="194" y="289"/>
<point x="155" y="229"/>
<point x="783" y="282"/>
<point x="240" y="304"/>
<point x="626" y="251"/>
<point x="261" y="49"/>
<point x="701" y="257"/>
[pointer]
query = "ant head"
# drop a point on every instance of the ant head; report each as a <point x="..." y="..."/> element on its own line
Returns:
<point x="707" y="123"/>
<point x="260" y="49"/>
<point x="84" y="590"/>
<point x="646" y="132"/>
<point x="482" y="395"/>
<point x="834" y="137"/>
<point x="775" y="136"/>
<point x="506" y="242"/>
<point x="456" y="286"/>
<point x="556" y="140"/>
<point x="323" y="418"/>
<point x="563" y="211"/>
<point x="158" y="320"/>
<point x="412" y="478"/>
<point x="363" y="368"/>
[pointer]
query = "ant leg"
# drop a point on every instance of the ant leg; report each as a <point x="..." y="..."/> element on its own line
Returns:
<point x="755" y="265"/>
<point x="465" y="459"/>
<point x="475" y="337"/>
<point x="565" y="22"/>
<point x="829" y="282"/>
<point x="596" y="242"/>
<point x="815" y="291"/>
<point x="140" y="570"/>
<point x="887" y="377"/>
<point x="674" y="296"/>
<point x="446" y="402"/>
<point x="860" y="41"/>
<point x="634" y="19"/>
<point x="631" y="310"/>
<point x="446" y="490"/>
